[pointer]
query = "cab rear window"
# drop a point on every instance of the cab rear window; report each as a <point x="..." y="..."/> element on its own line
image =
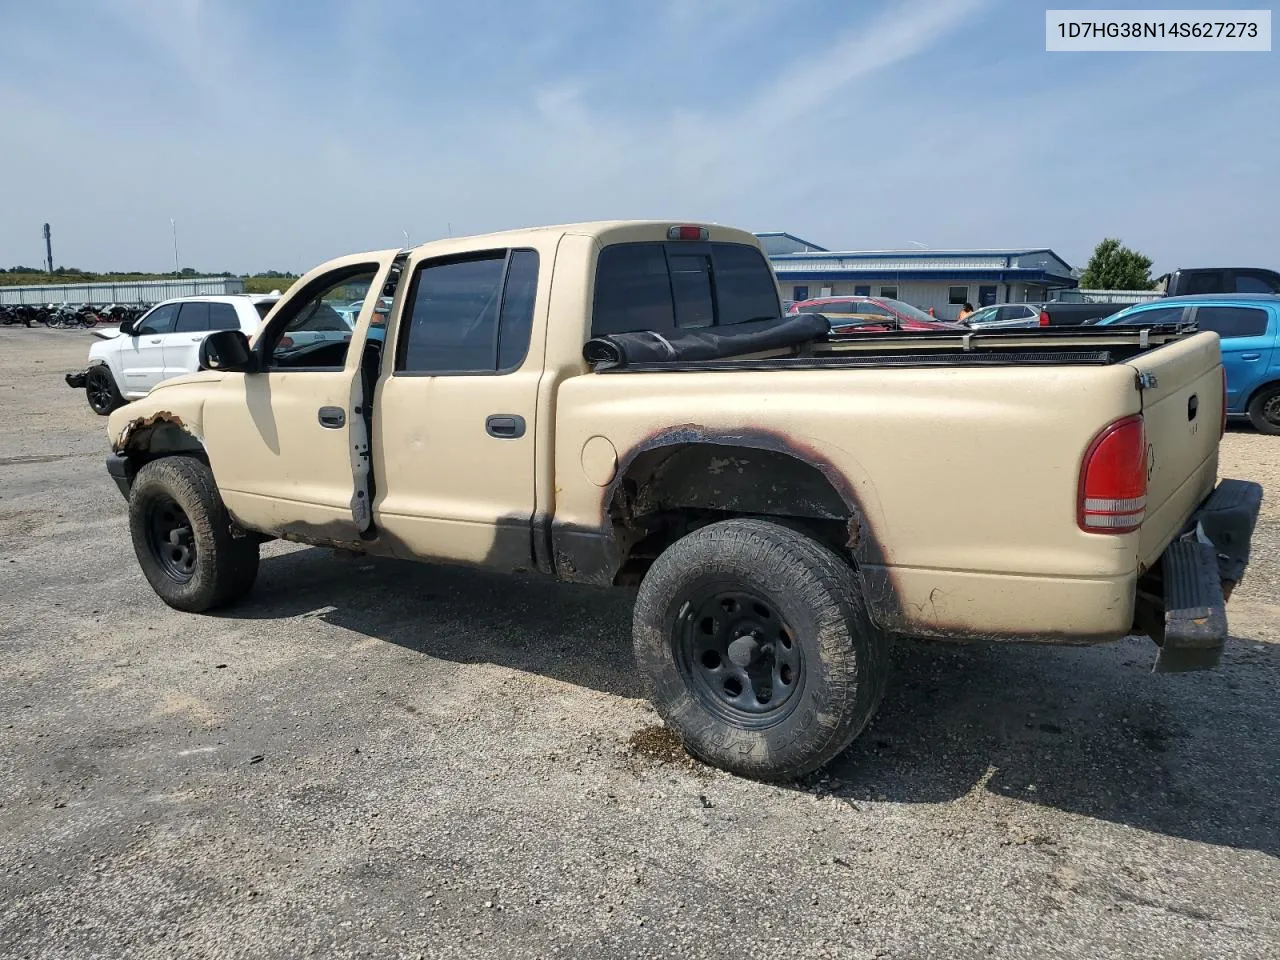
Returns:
<point x="681" y="285"/>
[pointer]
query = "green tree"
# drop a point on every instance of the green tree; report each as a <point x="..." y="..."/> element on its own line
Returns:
<point x="1114" y="266"/>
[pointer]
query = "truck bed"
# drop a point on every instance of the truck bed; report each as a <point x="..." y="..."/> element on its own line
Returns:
<point x="1071" y="346"/>
<point x="965" y="483"/>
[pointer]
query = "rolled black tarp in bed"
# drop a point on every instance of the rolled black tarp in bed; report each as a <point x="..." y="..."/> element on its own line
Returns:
<point x="705" y="343"/>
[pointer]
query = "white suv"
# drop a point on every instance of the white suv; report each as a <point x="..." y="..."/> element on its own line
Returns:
<point x="162" y="343"/>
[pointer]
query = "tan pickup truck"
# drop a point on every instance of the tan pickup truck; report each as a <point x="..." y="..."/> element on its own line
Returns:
<point x="623" y="404"/>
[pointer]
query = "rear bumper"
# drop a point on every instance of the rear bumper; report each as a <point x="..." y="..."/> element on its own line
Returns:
<point x="77" y="380"/>
<point x="1197" y="573"/>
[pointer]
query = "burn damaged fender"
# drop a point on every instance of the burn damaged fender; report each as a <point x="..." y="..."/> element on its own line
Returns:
<point x="168" y="420"/>
<point x="779" y="474"/>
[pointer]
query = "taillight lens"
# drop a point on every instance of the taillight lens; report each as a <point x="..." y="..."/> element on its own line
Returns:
<point x="285" y="341"/>
<point x="1113" y="479"/>
<point x="1223" y="432"/>
<point x="1044" y="318"/>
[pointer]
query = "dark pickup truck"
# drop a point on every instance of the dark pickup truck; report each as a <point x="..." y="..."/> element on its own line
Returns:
<point x="1202" y="280"/>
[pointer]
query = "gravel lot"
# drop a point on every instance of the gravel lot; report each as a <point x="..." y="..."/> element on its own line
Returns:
<point x="379" y="759"/>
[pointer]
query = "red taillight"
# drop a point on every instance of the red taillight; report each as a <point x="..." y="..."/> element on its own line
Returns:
<point x="687" y="233"/>
<point x="1044" y="318"/>
<point x="1223" y="431"/>
<point x="1113" y="479"/>
<point x="285" y="341"/>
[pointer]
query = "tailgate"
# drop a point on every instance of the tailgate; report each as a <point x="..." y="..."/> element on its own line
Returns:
<point x="1181" y="389"/>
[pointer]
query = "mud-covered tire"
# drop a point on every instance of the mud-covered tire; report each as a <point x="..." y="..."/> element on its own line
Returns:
<point x="813" y="594"/>
<point x="183" y="539"/>
<point x="101" y="391"/>
<point x="1264" y="411"/>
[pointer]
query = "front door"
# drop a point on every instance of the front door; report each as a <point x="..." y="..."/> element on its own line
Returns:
<point x="288" y="445"/>
<point x="142" y="354"/>
<point x="455" y="417"/>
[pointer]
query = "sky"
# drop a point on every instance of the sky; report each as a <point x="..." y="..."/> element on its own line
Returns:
<point x="277" y="135"/>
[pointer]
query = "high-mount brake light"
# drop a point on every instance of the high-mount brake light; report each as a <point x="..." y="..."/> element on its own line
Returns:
<point x="1113" y="479"/>
<point x="687" y="233"/>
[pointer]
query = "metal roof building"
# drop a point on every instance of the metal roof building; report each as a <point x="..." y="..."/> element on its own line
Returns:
<point x="122" y="291"/>
<point x="943" y="280"/>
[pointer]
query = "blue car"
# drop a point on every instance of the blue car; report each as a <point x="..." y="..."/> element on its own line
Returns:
<point x="1249" y="325"/>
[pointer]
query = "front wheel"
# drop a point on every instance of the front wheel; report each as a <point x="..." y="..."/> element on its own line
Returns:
<point x="101" y="391"/>
<point x="183" y="538"/>
<point x="1264" y="411"/>
<point x="758" y="648"/>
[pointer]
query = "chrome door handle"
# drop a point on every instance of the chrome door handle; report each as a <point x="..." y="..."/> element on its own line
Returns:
<point x="156" y="340"/>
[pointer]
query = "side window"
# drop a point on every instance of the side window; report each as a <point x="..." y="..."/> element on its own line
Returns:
<point x="193" y="318"/>
<point x="310" y="334"/>
<point x="1253" y="283"/>
<point x="159" y="320"/>
<point x="1152" y="316"/>
<point x="1205" y="281"/>
<point x="469" y="316"/>
<point x="1229" y="322"/>
<point x="223" y="316"/>
<point x="516" y="321"/>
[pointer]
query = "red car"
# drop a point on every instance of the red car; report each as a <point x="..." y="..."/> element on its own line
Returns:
<point x="863" y="311"/>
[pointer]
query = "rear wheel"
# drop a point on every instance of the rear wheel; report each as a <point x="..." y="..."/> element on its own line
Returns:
<point x="1264" y="411"/>
<point x="183" y="538"/>
<point x="101" y="391"/>
<point x="758" y="649"/>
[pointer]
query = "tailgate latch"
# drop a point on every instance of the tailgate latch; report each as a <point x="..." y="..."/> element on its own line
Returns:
<point x="1147" y="381"/>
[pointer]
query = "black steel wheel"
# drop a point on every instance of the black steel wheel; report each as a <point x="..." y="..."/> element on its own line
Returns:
<point x="1264" y="411"/>
<point x="183" y="536"/>
<point x="101" y="391"/>
<point x="738" y="656"/>
<point x="170" y="538"/>
<point x="758" y="649"/>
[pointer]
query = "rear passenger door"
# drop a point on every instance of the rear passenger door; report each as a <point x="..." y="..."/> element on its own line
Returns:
<point x="182" y="346"/>
<point x="455" y="410"/>
<point x="196" y="320"/>
<point x="1015" y="311"/>
<point x="1248" y="343"/>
